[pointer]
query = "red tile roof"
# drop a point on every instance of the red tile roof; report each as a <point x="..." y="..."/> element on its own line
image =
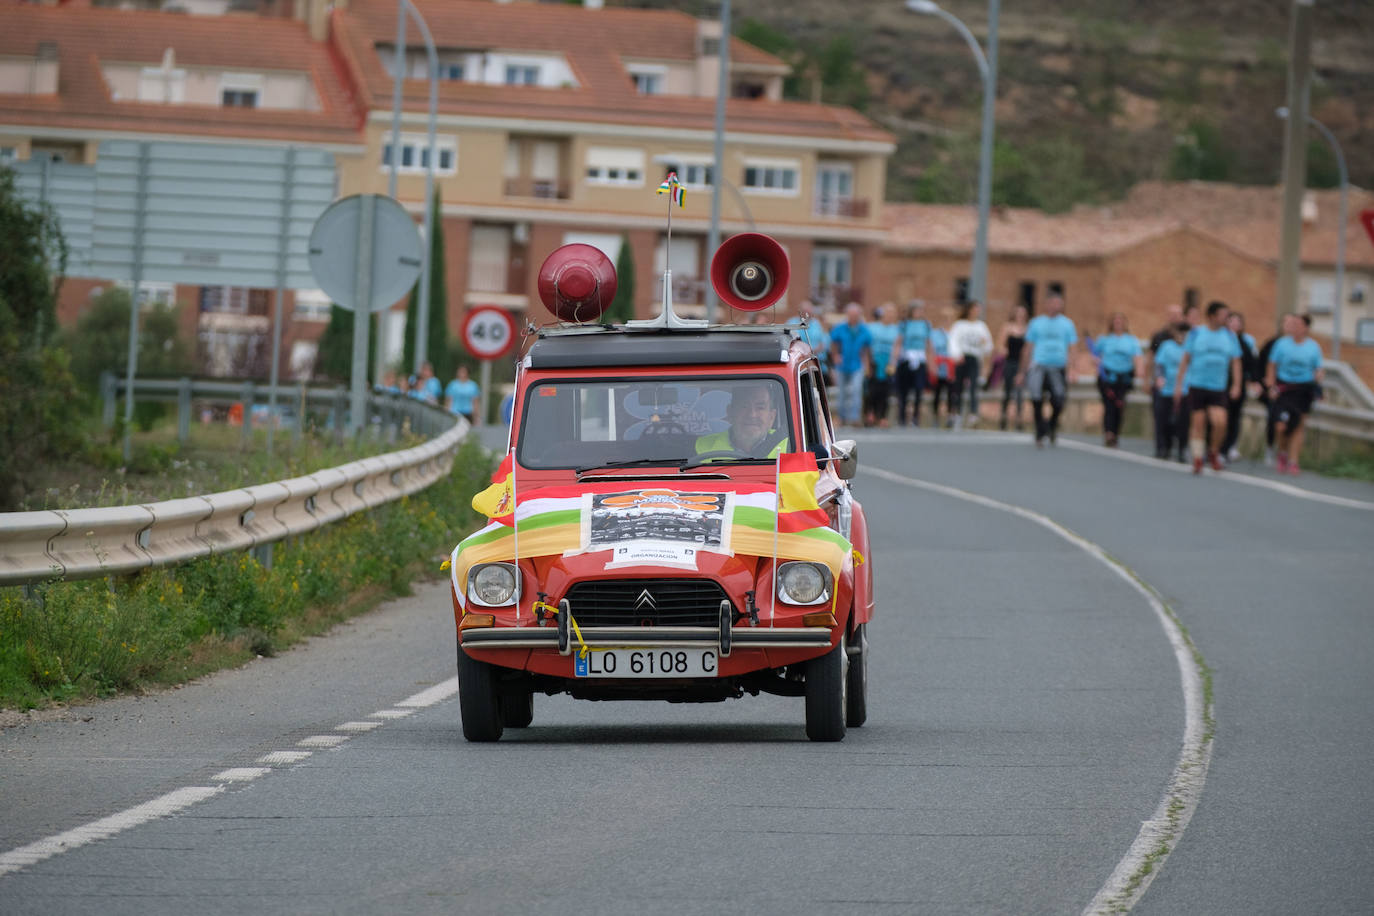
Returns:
<point x="1016" y="232"/>
<point x="1248" y="217"/>
<point x="594" y="42"/>
<point x="87" y="37"/>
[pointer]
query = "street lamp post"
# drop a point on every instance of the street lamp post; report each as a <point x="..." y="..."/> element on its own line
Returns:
<point x="1340" y="235"/>
<point x="987" y="67"/>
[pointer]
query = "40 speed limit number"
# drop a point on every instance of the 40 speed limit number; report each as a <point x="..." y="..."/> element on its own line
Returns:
<point x="646" y="663"/>
<point x="488" y="332"/>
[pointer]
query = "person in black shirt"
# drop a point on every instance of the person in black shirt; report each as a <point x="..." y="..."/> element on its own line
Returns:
<point x="1249" y="363"/>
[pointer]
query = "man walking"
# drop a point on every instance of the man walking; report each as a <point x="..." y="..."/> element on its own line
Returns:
<point x="1210" y="372"/>
<point x="851" y="353"/>
<point x="1046" y="360"/>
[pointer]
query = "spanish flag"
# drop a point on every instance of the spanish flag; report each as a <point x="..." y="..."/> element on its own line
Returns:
<point x="497" y="502"/>
<point x="797" y="506"/>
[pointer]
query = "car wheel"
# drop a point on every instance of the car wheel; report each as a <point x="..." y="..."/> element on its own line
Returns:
<point x="826" y="679"/>
<point x="478" y="701"/>
<point x="856" y="709"/>
<point x="517" y="709"/>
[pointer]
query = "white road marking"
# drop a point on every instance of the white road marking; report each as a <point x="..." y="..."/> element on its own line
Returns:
<point x="279" y="757"/>
<point x="241" y="774"/>
<point x="177" y="800"/>
<point x="436" y="694"/>
<point x="162" y="806"/>
<point x="974" y="438"/>
<point x="1160" y="834"/>
<point x="357" y="726"/>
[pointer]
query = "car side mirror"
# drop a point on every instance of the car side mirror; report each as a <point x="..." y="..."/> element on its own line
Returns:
<point x="845" y="454"/>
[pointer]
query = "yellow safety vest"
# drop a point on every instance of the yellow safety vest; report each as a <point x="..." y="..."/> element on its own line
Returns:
<point x="720" y="442"/>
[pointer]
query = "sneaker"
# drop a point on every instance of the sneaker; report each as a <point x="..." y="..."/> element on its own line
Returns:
<point x="1197" y="465"/>
<point x="1039" y="442"/>
<point x="1233" y="455"/>
<point x="1281" y="463"/>
<point x="1294" y="469"/>
<point x="1003" y="425"/>
<point x="1215" y="460"/>
<point x="1054" y="433"/>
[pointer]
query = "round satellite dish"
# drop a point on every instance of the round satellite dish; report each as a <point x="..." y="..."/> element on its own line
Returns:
<point x="577" y="283"/>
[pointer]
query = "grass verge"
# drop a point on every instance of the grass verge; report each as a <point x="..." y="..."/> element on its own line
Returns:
<point x="65" y="641"/>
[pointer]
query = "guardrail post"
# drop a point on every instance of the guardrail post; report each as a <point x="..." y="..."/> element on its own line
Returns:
<point x="339" y="412"/>
<point x="263" y="554"/>
<point x="107" y="396"/>
<point x="299" y="429"/>
<point x="246" y="402"/>
<point x="184" y="411"/>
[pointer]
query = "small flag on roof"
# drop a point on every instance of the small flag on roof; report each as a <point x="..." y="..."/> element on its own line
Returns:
<point x="672" y="186"/>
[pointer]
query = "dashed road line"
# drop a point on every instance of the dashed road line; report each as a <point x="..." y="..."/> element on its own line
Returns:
<point x="1159" y="835"/>
<point x="178" y="800"/>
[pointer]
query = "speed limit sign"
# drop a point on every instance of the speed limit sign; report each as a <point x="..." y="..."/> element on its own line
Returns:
<point x="488" y="332"/>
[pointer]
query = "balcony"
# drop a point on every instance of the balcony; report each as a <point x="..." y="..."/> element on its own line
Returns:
<point x="843" y="207"/>
<point x="538" y="188"/>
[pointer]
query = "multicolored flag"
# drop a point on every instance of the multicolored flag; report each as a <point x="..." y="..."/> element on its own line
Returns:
<point x="797" y="506"/>
<point x="497" y="502"/>
<point x="672" y="186"/>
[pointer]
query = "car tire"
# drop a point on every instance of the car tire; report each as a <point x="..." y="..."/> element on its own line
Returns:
<point x="478" y="702"/>
<point x="826" y="686"/>
<point x="856" y="706"/>
<point x="517" y="709"/>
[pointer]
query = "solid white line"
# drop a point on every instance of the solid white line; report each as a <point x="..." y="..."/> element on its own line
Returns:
<point x="162" y="806"/>
<point x="392" y="713"/>
<point x="241" y="774"/>
<point x="1160" y="834"/>
<point x="976" y="438"/>
<point x="436" y="694"/>
<point x="322" y="741"/>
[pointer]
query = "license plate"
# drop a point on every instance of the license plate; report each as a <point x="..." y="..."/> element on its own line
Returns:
<point x="646" y="663"/>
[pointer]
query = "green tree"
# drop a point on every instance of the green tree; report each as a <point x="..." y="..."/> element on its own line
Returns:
<point x="1200" y="154"/>
<point x="100" y="341"/>
<point x="436" y="337"/>
<point x="622" y="307"/>
<point x="334" y="356"/>
<point x="39" y="400"/>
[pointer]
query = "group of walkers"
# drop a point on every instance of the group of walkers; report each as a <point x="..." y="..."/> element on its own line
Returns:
<point x="459" y="396"/>
<point x="1199" y="369"/>
<point x="1202" y="367"/>
<point x="902" y="355"/>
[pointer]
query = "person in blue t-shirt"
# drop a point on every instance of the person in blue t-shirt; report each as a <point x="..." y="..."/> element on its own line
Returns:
<point x="851" y="353"/>
<point x="1210" y="372"/>
<point x="1117" y="353"/>
<point x="461" y="394"/>
<point x="1292" y="378"/>
<point x="884" y="334"/>
<point x="1045" y="362"/>
<point x="941" y="377"/>
<point x="1170" y="431"/>
<point x="427" y="387"/>
<point x="912" y="354"/>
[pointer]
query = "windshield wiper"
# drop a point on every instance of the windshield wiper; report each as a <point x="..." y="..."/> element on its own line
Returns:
<point x="706" y="462"/>
<point x="632" y="462"/>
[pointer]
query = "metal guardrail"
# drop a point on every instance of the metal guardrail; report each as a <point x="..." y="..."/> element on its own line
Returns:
<point x="88" y="543"/>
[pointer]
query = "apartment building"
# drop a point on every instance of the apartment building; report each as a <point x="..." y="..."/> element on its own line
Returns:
<point x="73" y="78"/>
<point x="556" y="124"/>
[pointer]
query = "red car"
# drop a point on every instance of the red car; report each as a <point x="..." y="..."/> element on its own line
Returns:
<point x="673" y="521"/>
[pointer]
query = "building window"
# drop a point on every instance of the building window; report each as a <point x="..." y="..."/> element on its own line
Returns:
<point x="451" y="72"/>
<point x="961" y="290"/>
<point x="152" y="293"/>
<point x="615" y="166"/>
<point x="771" y="177"/>
<point x="694" y="173"/>
<point x="522" y="75"/>
<point x="8" y="153"/>
<point x="414" y="154"/>
<point x="1190" y="297"/>
<point x="831" y="267"/>
<point x="648" y="83"/>
<point x="311" y="305"/>
<point x="1321" y="295"/>
<point x="747" y="89"/>
<point x="1027" y="297"/>
<point x="239" y="98"/>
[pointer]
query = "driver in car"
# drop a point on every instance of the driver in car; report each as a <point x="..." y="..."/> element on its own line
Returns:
<point x="752" y="415"/>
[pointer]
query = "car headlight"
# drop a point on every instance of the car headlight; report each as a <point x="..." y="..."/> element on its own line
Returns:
<point x="803" y="583"/>
<point x="492" y="584"/>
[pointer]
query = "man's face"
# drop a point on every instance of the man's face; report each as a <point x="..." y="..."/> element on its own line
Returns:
<point x="751" y="416"/>
<point x="1173" y="314"/>
<point x="1054" y="305"/>
<point x="853" y="313"/>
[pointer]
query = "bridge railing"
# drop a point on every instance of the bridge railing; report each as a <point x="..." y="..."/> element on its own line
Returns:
<point x="86" y="543"/>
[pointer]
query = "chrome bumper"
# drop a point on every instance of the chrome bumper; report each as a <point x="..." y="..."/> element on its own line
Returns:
<point x="650" y="638"/>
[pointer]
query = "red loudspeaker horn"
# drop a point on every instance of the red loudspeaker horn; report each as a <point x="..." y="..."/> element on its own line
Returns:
<point x="750" y="271"/>
<point x="577" y="283"/>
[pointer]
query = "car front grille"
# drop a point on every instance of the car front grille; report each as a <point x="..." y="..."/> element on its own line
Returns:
<point x="669" y="602"/>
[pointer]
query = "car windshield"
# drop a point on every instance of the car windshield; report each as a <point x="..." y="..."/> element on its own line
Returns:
<point x="594" y="423"/>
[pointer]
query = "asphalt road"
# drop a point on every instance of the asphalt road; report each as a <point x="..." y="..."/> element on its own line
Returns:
<point x="1026" y="716"/>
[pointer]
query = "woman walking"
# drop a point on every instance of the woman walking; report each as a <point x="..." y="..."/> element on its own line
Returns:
<point x="1011" y="341"/>
<point x="1117" y="352"/>
<point x="1250" y="374"/>
<point x="1170" y="431"/>
<point x="912" y="354"/>
<point x="970" y="342"/>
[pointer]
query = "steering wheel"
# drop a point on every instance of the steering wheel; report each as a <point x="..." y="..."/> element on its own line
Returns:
<point x="705" y="457"/>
